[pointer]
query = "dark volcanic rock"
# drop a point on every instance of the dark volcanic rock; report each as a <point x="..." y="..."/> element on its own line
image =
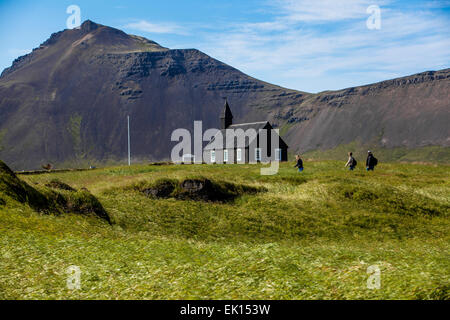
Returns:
<point x="202" y="189"/>
<point x="407" y="112"/>
<point x="161" y="189"/>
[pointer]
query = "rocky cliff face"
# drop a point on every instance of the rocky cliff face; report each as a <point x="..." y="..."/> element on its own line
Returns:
<point x="68" y="100"/>
<point x="411" y="112"/>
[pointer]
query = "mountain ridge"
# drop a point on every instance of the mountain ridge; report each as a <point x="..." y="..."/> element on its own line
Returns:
<point x="80" y="85"/>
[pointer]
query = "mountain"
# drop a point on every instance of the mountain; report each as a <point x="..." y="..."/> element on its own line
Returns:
<point x="409" y="112"/>
<point x="66" y="102"/>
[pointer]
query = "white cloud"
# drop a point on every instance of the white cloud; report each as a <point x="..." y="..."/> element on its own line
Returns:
<point x="323" y="10"/>
<point x="316" y="45"/>
<point x="165" y="27"/>
<point x="289" y="52"/>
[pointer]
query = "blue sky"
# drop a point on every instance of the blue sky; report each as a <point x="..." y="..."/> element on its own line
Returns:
<point x="309" y="45"/>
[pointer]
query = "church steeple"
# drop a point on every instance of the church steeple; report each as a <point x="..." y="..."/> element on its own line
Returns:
<point x="226" y="117"/>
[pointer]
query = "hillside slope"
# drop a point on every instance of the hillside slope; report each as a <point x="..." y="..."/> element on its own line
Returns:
<point x="67" y="102"/>
<point x="411" y="112"/>
<point x="310" y="236"/>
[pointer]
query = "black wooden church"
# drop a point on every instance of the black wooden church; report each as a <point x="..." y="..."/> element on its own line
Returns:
<point x="248" y="144"/>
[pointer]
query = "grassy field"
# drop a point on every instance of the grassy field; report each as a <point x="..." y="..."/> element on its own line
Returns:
<point x="310" y="235"/>
<point x="428" y="154"/>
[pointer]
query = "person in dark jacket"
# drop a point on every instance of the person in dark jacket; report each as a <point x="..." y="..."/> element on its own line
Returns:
<point x="351" y="163"/>
<point x="299" y="164"/>
<point x="371" y="161"/>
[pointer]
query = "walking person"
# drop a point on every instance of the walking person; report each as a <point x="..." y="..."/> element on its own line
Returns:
<point x="299" y="164"/>
<point x="351" y="163"/>
<point x="371" y="161"/>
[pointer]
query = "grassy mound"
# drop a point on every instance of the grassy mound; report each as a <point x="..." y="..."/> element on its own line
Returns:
<point x="162" y="188"/>
<point x="83" y="202"/>
<point x="390" y="200"/>
<point x="198" y="189"/>
<point x="14" y="188"/>
<point x="56" y="184"/>
<point x="47" y="200"/>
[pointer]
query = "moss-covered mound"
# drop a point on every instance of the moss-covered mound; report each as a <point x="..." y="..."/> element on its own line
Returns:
<point x="199" y="189"/>
<point x="203" y="189"/>
<point x="56" y="184"/>
<point x="47" y="200"/>
<point x="83" y="202"/>
<point x="162" y="188"/>
<point x="14" y="188"/>
<point x="390" y="200"/>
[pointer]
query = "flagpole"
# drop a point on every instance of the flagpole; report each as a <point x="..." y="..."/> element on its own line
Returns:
<point x="129" y="149"/>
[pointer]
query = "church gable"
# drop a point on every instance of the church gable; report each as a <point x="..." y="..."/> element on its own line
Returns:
<point x="245" y="136"/>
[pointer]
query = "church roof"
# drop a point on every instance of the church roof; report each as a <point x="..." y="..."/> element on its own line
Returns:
<point x="257" y="126"/>
<point x="244" y="126"/>
<point x="226" y="112"/>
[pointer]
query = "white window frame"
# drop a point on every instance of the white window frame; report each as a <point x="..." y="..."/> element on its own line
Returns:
<point x="190" y="158"/>
<point x="225" y="155"/>
<point x="213" y="156"/>
<point x="278" y="154"/>
<point x="239" y="155"/>
<point x="258" y="152"/>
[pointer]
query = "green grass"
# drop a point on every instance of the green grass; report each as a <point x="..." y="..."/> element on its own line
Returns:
<point x="428" y="154"/>
<point x="308" y="236"/>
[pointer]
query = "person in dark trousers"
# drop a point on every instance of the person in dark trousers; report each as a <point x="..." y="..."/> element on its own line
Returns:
<point x="371" y="161"/>
<point x="299" y="164"/>
<point x="351" y="163"/>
